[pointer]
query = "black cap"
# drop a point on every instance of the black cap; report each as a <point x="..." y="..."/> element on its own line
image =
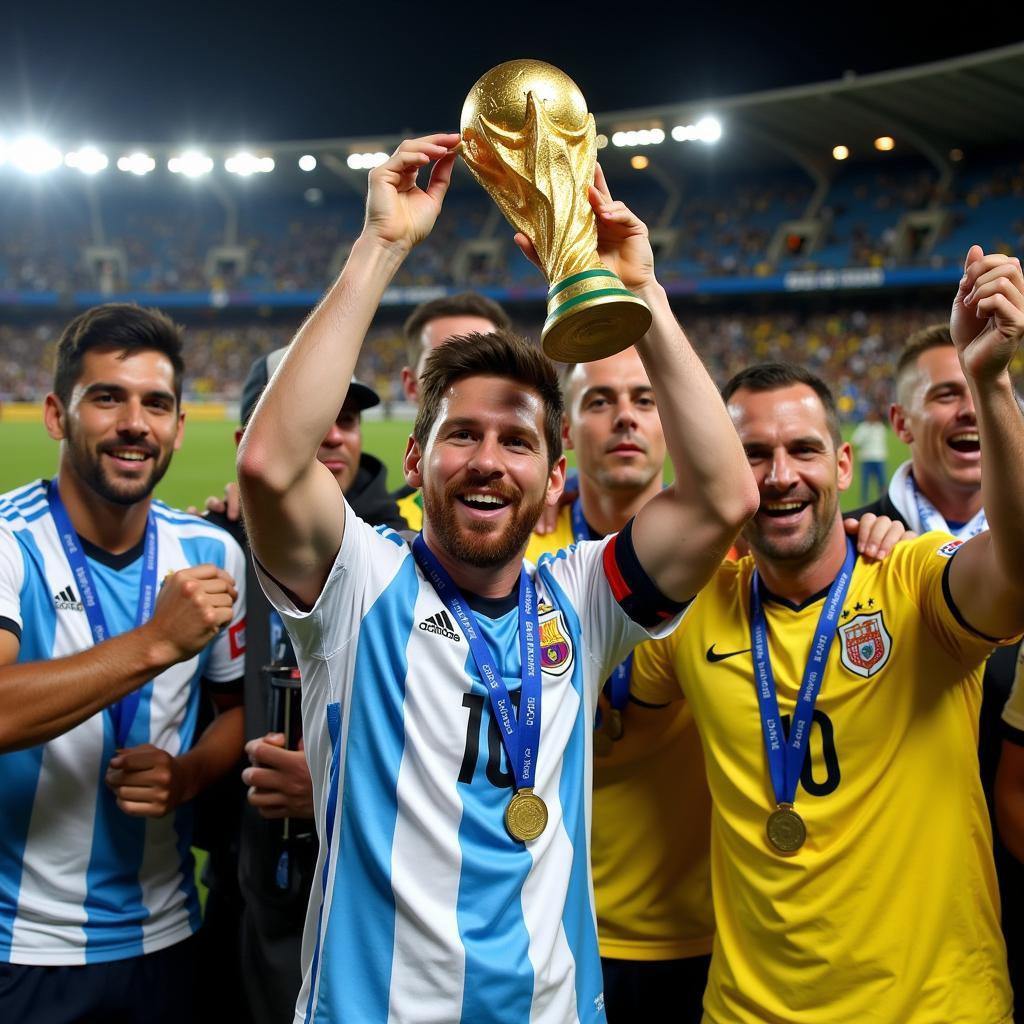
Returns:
<point x="360" y="396"/>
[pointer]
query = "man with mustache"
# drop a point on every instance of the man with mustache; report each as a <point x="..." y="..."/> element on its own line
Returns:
<point x="449" y="690"/>
<point x="113" y="610"/>
<point x="837" y="705"/>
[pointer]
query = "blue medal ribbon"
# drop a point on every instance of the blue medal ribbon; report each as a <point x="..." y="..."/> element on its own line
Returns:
<point x="785" y="763"/>
<point x="521" y="736"/>
<point x="617" y="685"/>
<point x="122" y="712"/>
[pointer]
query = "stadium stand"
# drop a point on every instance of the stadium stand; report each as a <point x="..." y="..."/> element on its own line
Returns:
<point x="768" y="246"/>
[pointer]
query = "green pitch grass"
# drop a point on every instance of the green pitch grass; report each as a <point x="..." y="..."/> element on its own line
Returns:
<point x="207" y="458"/>
<point x="205" y="463"/>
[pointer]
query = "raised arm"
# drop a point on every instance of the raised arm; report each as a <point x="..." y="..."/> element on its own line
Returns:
<point x="986" y="578"/>
<point x="682" y="534"/>
<point x="294" y="511"/>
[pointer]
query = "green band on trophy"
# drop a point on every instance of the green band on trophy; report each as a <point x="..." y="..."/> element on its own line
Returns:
<point x="576" y="278"/>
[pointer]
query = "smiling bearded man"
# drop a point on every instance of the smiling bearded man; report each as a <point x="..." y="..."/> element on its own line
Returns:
<point x="453" y="812"/>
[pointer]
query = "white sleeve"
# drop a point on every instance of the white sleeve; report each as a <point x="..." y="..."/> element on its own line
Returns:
<point x="12" y="577"/>
<point x="367" y="561"/>
<point x="608" y="633"/>
<point x="1013" y="710"/>
<point x="227" y="652"/>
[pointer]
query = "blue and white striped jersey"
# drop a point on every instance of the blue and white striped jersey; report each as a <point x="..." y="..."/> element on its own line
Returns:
<point x="424" y="908"/>
<point x="80" y="880"/>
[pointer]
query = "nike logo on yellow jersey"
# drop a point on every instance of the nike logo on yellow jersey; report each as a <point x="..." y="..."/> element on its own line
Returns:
<point x="714" y="655"/>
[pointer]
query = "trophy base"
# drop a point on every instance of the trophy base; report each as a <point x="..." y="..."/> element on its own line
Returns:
<point x="592" y="315"/>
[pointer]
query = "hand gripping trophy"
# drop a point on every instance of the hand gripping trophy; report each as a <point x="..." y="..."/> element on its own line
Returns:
<point x="529" y="140"/>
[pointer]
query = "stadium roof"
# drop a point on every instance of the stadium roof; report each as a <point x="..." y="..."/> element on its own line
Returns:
<point x="931" y="109"/>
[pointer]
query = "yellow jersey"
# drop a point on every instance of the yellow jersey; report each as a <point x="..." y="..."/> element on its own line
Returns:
<point x="889" y="912"/>
<point x="410" y="508"/>
<point x="650" y="842"/>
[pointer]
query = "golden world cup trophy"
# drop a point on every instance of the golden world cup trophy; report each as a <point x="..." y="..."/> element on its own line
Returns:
<point x="529" y="140"/>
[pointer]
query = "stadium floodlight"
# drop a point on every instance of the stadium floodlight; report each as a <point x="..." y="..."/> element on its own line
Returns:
<point x="365" y="161"/>
<point x="3" y="152"/>
<point x="88" y="160"/>
<point x="639" y="162"/>
<point x="136" y="163"/>
<point x="709" y="129"/>
<point x="602" y="143"/>
<point x="307" y="162"/>
<point x="191" y="163"/>
<point x="33" y="155"/>
<point x="885" y="143"/>
<point x="639" y="137"/>
<point x="246" y="164"/>
<point x="840" y="152"/>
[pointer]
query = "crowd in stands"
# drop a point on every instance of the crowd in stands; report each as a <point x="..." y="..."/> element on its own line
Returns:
<point x="717" y="227"/>
<point x="853" y="348"/>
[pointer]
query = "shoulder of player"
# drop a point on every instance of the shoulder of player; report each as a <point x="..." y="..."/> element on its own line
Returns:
<point x="23" y="505"/>
<point x="937" y="545"/>
<point x="720" y="599"/>
<point x="185" y="526"/>
<point x="410" y="508"/>
<point x="551" y="543"/>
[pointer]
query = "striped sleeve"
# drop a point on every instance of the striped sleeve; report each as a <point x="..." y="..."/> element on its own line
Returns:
<point x="12" y="574"/>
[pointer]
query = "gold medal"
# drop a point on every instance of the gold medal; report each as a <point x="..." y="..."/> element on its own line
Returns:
<point x="526" y="816"/>
<point x="786" y="829"/>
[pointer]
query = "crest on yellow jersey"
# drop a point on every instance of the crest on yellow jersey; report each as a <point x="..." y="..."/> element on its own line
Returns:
<point x="865" y="644"/>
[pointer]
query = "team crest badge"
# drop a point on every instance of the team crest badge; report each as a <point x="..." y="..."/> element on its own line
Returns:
<point x="555" y="646"/>
<point x="865" y="644"/>
<point x="949" y="549"/>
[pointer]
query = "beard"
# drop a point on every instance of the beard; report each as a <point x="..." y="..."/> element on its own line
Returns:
<point x="804" y="547"/>
<point x="481" y="544"/>
<point x="87" y="465"/>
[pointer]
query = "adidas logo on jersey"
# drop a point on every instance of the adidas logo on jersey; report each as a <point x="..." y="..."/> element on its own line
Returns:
<point x="66" y="601"/>
<point x="440" y="624"/>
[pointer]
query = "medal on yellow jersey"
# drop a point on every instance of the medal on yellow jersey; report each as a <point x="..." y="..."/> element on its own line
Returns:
<point x="785" y="829"/>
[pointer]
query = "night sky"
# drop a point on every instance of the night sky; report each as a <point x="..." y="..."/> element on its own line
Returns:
<point x="161" y="72"/>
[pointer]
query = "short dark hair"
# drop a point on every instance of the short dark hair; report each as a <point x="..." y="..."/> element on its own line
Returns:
<point x="498" y="354"/>
<point x="775" y="376"/>
<point x="933" y="336"/>
<point x="463" y="304"/>
<point x="123" y="326"/>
